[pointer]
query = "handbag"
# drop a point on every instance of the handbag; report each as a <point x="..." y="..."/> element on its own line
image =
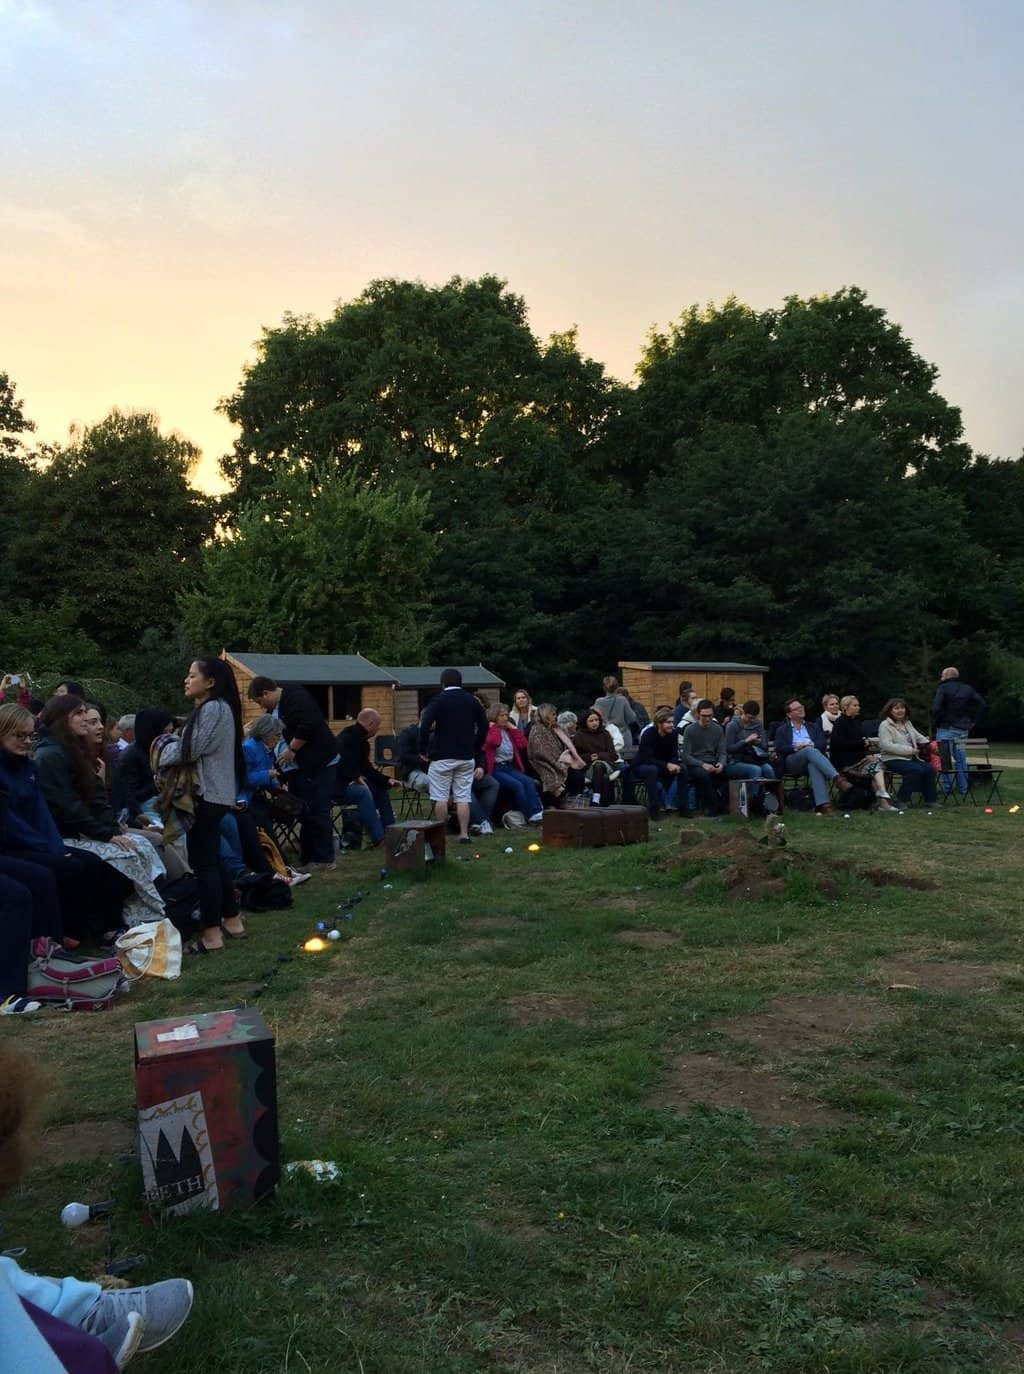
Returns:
<point x="863" y="768"/>
<point x="152" y="950"/>
<point x="283" y="806"/>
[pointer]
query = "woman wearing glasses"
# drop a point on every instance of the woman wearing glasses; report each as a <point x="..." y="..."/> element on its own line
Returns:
<point x="90" y="895"/>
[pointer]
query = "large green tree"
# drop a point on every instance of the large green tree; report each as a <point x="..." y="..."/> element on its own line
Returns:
<point x="112" y="523"/>
<point x="412" y="381"/>
<point x="329" y="564"/>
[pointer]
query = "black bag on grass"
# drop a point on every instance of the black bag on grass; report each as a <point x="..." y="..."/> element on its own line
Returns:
<point x="263" y="892"/>
<point x="181" y="901"/>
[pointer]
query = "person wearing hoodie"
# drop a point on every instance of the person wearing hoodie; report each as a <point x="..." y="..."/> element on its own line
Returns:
<point x="616" y="709"/>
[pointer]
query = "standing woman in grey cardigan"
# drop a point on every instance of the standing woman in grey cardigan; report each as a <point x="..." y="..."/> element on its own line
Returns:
<point x="212" y="741"/>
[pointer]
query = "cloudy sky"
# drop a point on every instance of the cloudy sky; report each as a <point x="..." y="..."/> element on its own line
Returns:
<point x="179" y="174"/>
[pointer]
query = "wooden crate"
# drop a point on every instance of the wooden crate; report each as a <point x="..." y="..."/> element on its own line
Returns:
<point x="413" y="846"/>
<point x="594" y="827"/>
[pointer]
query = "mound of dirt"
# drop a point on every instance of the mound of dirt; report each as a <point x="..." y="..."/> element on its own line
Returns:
<point x="751" y="869"/>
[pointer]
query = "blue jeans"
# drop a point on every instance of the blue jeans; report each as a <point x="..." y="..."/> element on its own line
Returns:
<point x="485" y="794"/>
<point x="316" y="834"/>
<point x="814" y="763"/>
<point x="373" y="806"/>
<point x="524" y="789"/>
<point x="917" y="777"/>
<point x="749" y="771"/>
<point x="952" y="757"/>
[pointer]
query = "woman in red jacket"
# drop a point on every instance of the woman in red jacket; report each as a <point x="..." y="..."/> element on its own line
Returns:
<point x="504" y="754"/>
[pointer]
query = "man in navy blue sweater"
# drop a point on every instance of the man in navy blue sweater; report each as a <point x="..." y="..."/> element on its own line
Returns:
<point x="452" y="732"/>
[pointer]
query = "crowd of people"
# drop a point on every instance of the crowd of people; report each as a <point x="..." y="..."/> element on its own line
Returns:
<point x="98" y="818"/>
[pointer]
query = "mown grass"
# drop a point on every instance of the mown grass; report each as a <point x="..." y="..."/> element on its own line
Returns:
<point x="510" y="1200"/>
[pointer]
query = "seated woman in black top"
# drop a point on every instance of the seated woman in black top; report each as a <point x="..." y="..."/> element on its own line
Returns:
<point x="848" y="750"/>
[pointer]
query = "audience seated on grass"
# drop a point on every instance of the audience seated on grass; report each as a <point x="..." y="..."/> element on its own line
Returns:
<point x="360" y="784"/>
<point x="550" y="751"/>
<point x="523" y="712"/>
<point x="746" y="745"/>
<point x="594" y="745"/>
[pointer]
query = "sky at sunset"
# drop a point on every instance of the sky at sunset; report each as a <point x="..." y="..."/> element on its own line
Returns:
<point x="178" y="175"/>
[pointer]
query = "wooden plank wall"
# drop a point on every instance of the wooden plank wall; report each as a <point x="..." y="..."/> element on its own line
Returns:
<point x="661" y="689"/>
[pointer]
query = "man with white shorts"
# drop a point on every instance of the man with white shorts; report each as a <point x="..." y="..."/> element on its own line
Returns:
<point x="452" y="732"/>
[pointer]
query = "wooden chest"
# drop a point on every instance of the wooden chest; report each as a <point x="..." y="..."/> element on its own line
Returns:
<point x="595" y="826"/>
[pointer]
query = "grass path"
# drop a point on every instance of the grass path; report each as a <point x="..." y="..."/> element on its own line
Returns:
<point x="592" y="1113"/>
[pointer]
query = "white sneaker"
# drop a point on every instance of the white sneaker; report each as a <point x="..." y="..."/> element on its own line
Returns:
<point x="486" y="828"/>
<point x="474" y="830"/>
<point x="296" y="879"/>
<point x="18" y="1006"/>
<point x="536" y="818"/>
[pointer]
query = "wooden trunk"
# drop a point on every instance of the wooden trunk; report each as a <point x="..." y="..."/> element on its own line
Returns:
<point x="594" y="827"/>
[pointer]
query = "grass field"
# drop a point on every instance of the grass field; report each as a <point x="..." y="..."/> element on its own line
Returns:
<point x="594" y="1113"/>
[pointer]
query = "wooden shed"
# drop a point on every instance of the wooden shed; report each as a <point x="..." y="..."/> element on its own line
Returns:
<point x="415" y="686"/>
<point x="657" y="684"/>
<point x="341" y="684"/>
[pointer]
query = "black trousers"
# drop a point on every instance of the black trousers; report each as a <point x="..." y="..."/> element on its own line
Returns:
<point x="16" y="913"/>
<point x="90" y="893"/>
<point x="216" y="890"/>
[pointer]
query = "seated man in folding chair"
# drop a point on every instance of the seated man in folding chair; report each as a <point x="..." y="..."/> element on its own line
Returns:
<point x="360" y="784"/>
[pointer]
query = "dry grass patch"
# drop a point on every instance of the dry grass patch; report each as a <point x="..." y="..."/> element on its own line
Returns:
<point x="794" y="1025"/>
<point x="938" y="975"/>
<point x="489" y="923"/>
<point x="532" y="1008"/>
<point x="708" y="1080"/>
<point x="646" y="939"/>
<point x="83" y="1140"/>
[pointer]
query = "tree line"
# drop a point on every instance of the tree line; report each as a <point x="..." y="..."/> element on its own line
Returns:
<point x="419" y="478"/>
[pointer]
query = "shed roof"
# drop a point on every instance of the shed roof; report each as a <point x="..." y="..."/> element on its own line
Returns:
<point x="315" y="669"/>
<point x="681" y="667"/>
<point x="473" y="675"/>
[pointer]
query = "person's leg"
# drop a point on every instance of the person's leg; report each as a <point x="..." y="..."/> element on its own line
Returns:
<point x="316" y="834"/>
<point x="252" y="851"/>
<point x="15" y="936"/>
<point x="703" y="783"/>
<point x="647" y="774"/>
<point x="360" y="796"/>
<point x="961" y="760"/>
<point x="805" y="761"/>
<point x="229" y="846"/>
<point x="485" y="794"/>
<point x="462" y="792"/>
<point x="215" y="902"/>
<point x="45" y="894"/>
<point x="382" y="801"/>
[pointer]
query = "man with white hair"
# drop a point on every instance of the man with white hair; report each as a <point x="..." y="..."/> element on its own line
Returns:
<point x="125" y="731"/>
<point x="955" y="709"/>
<point x="360" y="784"/>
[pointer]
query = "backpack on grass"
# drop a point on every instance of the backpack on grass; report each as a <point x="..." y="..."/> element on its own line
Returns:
<point x="78" y="984"/>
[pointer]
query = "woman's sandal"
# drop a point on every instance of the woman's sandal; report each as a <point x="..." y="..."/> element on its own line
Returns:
<point x="242" y="934"/>
<point x="197" y="947"/>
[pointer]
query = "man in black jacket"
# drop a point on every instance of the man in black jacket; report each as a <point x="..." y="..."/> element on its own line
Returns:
<point x="657" y="765"/>
<point x="452" y="732"/>
<point x="311" y="747"/>
<point x="360" y="784"/>
<point x="955" y="709"/>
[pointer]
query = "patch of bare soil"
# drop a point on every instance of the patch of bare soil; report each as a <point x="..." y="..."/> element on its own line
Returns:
<point x="532" y="1008"/>
<point x="647" y="939"/>
<point x="478" y="946"/>
<point x="489" y="923"/>
<point x="934" y="975"/>
<point x="622" y="904"/>
<point x="798" y="1024"/>
<point x="83" y="1140"/>
<point x="708" y="1080"/>
<point x="883" y="877"/>
<point x="328" y="999"/>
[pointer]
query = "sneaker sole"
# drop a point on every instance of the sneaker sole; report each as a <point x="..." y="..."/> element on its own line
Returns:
<point x="132" y="1343"/>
